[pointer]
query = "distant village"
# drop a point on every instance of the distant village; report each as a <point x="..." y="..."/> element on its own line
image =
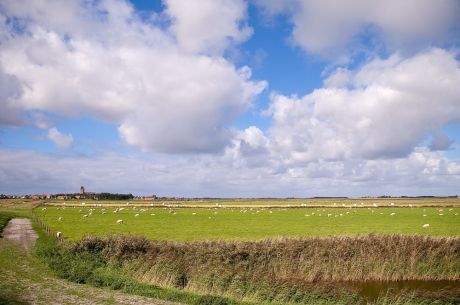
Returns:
<point x="80" y="195"/>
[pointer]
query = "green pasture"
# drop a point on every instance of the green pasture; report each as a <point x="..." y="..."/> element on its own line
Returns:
<point x="183" y="224"/>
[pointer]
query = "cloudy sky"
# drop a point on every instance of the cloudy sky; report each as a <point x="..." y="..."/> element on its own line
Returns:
<point x="230" y="98"/>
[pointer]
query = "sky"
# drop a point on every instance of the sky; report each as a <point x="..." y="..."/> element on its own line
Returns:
<point x="230" y="98"/>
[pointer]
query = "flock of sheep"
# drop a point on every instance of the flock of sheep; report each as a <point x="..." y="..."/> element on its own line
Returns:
<point x="244" y="210"/>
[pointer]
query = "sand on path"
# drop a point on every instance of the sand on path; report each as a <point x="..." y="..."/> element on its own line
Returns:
<point x="20" y="230"/>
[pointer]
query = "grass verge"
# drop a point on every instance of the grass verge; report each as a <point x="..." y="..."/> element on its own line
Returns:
<point x="93" y="269"/>
<point x="242" y="272"/>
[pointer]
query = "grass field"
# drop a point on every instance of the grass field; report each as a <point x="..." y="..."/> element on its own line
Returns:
<point x="283" y="270"/>
<point x="249" y="223"/>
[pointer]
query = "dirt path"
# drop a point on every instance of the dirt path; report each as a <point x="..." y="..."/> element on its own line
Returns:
<point x="20" y="231"/>
<point x="25" y="280"/>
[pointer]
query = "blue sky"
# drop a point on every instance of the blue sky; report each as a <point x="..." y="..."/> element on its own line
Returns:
<point x="230" y="98"/>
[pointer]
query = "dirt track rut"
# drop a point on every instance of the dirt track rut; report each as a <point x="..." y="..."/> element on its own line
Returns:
<point x="20" y="230"/>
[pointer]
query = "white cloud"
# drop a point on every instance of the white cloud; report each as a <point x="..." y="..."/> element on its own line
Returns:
<point x="328" y="27"/>
<point x="61" y="140"/>
<point x="169" y="89"/>
<point x="105" y="61"/>
<point x="10" y="88"/>
<point x="388" y="107"/>
<point x="422" y="172"/>
<point x="41" y="120"/>
<point x="208" y="26"/>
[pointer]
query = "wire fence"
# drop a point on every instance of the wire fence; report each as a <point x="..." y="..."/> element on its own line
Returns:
<point x="58" y="235"/>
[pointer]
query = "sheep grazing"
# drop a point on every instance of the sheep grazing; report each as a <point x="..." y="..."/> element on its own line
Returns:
<point x="59" y="219"/>
<point x="120" y="221"/>
<point x="392" y="214"/>
<point x="85" y="216"/>
<point x="59" y="235"/>
<point x="426" y="225"/>
<point x="137" y="215"/>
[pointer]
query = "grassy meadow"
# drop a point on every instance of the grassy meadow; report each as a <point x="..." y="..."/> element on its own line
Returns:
<point x="248" y="223"/>
<point x="251" y="252"/>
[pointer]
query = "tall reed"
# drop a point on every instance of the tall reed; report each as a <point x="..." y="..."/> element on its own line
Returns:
<point x="282" y="270"/>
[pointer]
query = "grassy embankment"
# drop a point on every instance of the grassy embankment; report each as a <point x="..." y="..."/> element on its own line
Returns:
<point x="269" y="272"/>
<point x="249" y="223"/>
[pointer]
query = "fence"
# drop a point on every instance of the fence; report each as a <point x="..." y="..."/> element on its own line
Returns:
<point x="44" y="227"/>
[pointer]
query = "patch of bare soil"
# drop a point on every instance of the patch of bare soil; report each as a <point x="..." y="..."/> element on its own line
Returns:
<point x="20" y="230"/>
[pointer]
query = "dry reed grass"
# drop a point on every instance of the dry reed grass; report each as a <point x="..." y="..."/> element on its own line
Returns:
<point x="280" y="269"/>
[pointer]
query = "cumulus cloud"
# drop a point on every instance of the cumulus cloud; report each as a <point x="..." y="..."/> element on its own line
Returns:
<point x="10" y="89"/>
<point x="61" y="140"/>
<point x="422" y="172"/>
<point x="329" y="27"/>
<point x="168" y="88"/>
<point x="208" y="26"/>
<point x="104" y="60"/>
<point x="382" y="110"/>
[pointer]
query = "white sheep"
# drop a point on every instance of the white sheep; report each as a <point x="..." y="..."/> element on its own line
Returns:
<point x="426" y="225"/>
<point x="120" y="221"/>
<point x="137" y="215"/>
<point x="85" y="216"/>
<point x="59" y="219"/>
<point x="59" y="234"/>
